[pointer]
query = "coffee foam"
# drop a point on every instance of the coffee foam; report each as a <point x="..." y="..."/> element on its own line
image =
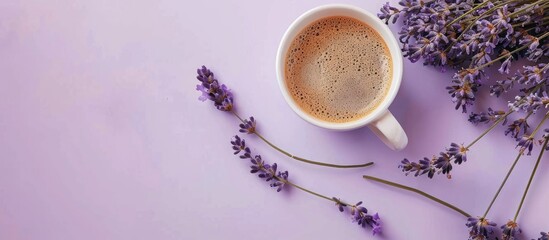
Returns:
<point x="338" y="69"/>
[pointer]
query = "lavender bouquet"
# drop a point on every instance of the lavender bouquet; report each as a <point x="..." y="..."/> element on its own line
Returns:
<point x="471" y="36"/>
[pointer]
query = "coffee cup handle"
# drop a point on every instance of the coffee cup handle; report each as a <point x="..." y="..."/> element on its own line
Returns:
<point x="389" y="131"/>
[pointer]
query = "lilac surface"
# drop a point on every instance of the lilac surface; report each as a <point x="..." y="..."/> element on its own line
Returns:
<point x="102" y="135"/>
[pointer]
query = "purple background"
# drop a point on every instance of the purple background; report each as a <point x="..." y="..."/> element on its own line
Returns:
<point x="102" y="135"/>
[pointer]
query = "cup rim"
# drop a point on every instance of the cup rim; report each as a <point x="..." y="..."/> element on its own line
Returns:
<point x="373" y="21"/>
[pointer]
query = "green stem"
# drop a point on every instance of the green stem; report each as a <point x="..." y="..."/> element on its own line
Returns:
<point x="539" y="125"/>
<point x="310" y="161"/>
<point x="315" y="193"/>
<point x="305" y="190"/>
<point x="489" y="129"/>
<point x="503" y="183"/>
<point x="513" y="167"/>
<point x="531" y="178"/>
<point x="303" y="159"/>
<point x="418" y="192"/>
<point x="285" y="181"/>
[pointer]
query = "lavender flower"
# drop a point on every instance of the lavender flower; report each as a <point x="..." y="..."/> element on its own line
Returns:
<point x="263" y="170"/>
<point x="534" y="73"/>
<point x="340" y="205"/>
<point x="506" y="65"/>
<point x="486" y="117"/>
<point x="444" y="163"/>
<point x="456" y="153"/>
<point x="544" y="236"/>
<point x="424" y="166"/>
<point x="510" y="230"/>
<point x="530" y="103"/>
<point x="361" y="217"/>
<point x="283" y="178"/>
<point x="545" y="136"/>
<point x="387" y="12"/>
<point x="502" y="86"/>
<point x="212" y="90"/>
<point x="480" y="228"/>
<point x="248" y="126"/>
<point x="516" y="126"/>
<point x="464" y="88"/>
<point x="240" y="145"/>
<point x="526" y="143"/>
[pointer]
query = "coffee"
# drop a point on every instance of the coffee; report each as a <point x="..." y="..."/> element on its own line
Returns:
<point x="338" y="69"/>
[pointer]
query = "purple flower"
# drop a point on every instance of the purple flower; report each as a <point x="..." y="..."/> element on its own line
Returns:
<point x="212" y="90"/>
<point x="480" y="228"/>
<point x="526" y="143"/>
<point x="248" y="126"/>
<point x="530" y="40"/>
<point x="506" y="65"/>
<point x="269" y="172"/>
<point x="535" y="73"/>
<point x="510" y="230"/>
<point x="240" y="145"/>
<point x="484" y="32"/>
<point x="205" y="75"/>
<point x="377" y="229"/>
<point x="443" y="162"/>
<point x="486" y="117"/>
<point x="340" y="205"/>
<point x="424" y="166"/>
<point x="258" y="164"/>
<point x="544" y="236"/>
<point x="501" y="86"/>
<point x="282" y="178"/>
<point x="476" y="118"/>
<point x="362" y="218"/>
<point x="516" y="126"/>
<point x="501" y="21"/>
<point x="360" y="215"/>
<point x="545" y="136"/>
<point x="277" y="179"/>
<point x="387" y="12"/>
<point x="464" y="88"/>
<point x="457" y="152"/>
<point x="534" y="54"/>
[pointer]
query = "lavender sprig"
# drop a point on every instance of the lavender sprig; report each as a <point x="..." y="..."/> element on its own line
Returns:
<point x="279" y="179"/>
<point x="223" y="100"/>
<point x="213" y="91"/>
<point x="456" y="154"/>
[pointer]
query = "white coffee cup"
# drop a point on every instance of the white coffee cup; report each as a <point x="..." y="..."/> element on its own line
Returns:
<point x="380" y="120"/>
